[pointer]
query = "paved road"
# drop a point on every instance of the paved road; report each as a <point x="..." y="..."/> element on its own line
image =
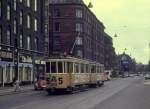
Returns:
<point x="128" y="93"/>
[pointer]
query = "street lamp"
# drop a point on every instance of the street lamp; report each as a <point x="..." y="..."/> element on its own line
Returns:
<point x="149" y="57"/>
<point x="90" y="5"/>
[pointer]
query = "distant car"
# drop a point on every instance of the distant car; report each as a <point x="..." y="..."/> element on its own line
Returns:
<point x="147" y="76"/>
<point x="108" y="74"/>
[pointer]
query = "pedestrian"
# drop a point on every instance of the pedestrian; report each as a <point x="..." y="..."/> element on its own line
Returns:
<point x="17" y="86"/>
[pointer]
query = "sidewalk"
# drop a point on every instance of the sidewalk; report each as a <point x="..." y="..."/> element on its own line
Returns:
<point x="10" y="90"/>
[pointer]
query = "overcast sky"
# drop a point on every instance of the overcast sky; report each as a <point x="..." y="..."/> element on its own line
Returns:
<point x="130" y="20"/>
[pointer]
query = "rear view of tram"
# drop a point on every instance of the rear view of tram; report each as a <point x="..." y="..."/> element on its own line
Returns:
<point x="69" y="74"/>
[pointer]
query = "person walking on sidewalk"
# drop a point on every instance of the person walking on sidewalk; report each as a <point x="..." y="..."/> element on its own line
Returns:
<point x="17" y="86"/>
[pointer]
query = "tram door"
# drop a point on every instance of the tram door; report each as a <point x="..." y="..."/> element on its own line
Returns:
<point x="1" y="75"/>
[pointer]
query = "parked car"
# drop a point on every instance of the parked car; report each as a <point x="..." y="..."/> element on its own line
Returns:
<point x="108" y="74"/>
<point x="147" y="76"/>
<point x="40" y="84"/>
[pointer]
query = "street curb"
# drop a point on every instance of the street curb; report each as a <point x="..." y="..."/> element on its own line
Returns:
<point x="12" y="92"/>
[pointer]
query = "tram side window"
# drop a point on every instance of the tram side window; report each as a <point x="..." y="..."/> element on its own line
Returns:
<point x="100" y="70"/>
<point x="97" y="69"/>
<point x="93" y="69"/>
<point x="69" y="67"/>
<point x="53" y="67"/>
<point x="82" y="68"/>
<point x="60" y="67"/>
<point x="87" y="69"/>
<point x="47" y="67"/>
<point x="76" y="68"/>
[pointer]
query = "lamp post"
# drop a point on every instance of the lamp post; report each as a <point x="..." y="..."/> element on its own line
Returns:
<point x="149" y="57"/>
<point x="90" y="5"/>
<point x="16" y="59"/>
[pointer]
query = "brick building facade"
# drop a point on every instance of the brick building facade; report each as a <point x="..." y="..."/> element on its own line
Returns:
<point x="75" y="30"/>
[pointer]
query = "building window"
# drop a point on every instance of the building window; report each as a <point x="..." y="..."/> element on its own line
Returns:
<point x="21" y="40"/>
<point x="35" y="5"/>
<point x="35" y="25"/>
<point x="0" y="34"/>
<point x="79" y="27"/>
<point x="21" y="17"/>
<point x="57" y="12"/>
<point x="8" y="37"/>
<point x="8" y="12"/>
<point x="28" y="3"/>
<point x="15" y="5"/>
<point x="28" y="43"/>
<point x="79" y="41"/>
<point x="15" y="26"/>
<point x="57" y="26"/>
<point x="28" y="22"/>
<point x="79" y="13"/>
<point x="0" y="8"/>
<point x="79" y="53"/>
<point x="36" y="43"/>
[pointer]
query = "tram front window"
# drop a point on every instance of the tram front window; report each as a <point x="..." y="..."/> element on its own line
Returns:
<point x="60" y="67"/>
<point x="53" y="67"/>
<point x="47" y="67"/>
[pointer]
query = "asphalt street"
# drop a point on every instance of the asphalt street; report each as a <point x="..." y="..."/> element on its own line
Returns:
<point x="121" y="93"/>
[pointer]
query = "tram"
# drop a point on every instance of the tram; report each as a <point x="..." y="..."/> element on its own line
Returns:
<point x="72" y="73"/>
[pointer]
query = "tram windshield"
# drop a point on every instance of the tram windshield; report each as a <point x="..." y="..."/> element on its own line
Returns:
<point x="59" y="67"/>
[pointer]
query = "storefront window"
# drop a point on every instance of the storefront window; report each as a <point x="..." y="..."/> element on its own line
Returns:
<point x="27" y="74"/>
<point x="1" y="74"/>
<point x="8" y="74"/>
<point x="13" y="72"/>
<point x="21" y="73"/>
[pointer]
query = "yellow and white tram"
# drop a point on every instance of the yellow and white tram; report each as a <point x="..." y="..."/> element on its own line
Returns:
<point x="72" y="73"/>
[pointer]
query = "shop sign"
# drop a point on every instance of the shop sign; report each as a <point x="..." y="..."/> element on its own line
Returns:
<point x="4" y="54"/>
<point x="26" y="59"/>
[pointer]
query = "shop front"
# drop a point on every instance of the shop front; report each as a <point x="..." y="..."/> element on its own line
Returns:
<point x="6" y="73"/>
<point x="25" y="73"/>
